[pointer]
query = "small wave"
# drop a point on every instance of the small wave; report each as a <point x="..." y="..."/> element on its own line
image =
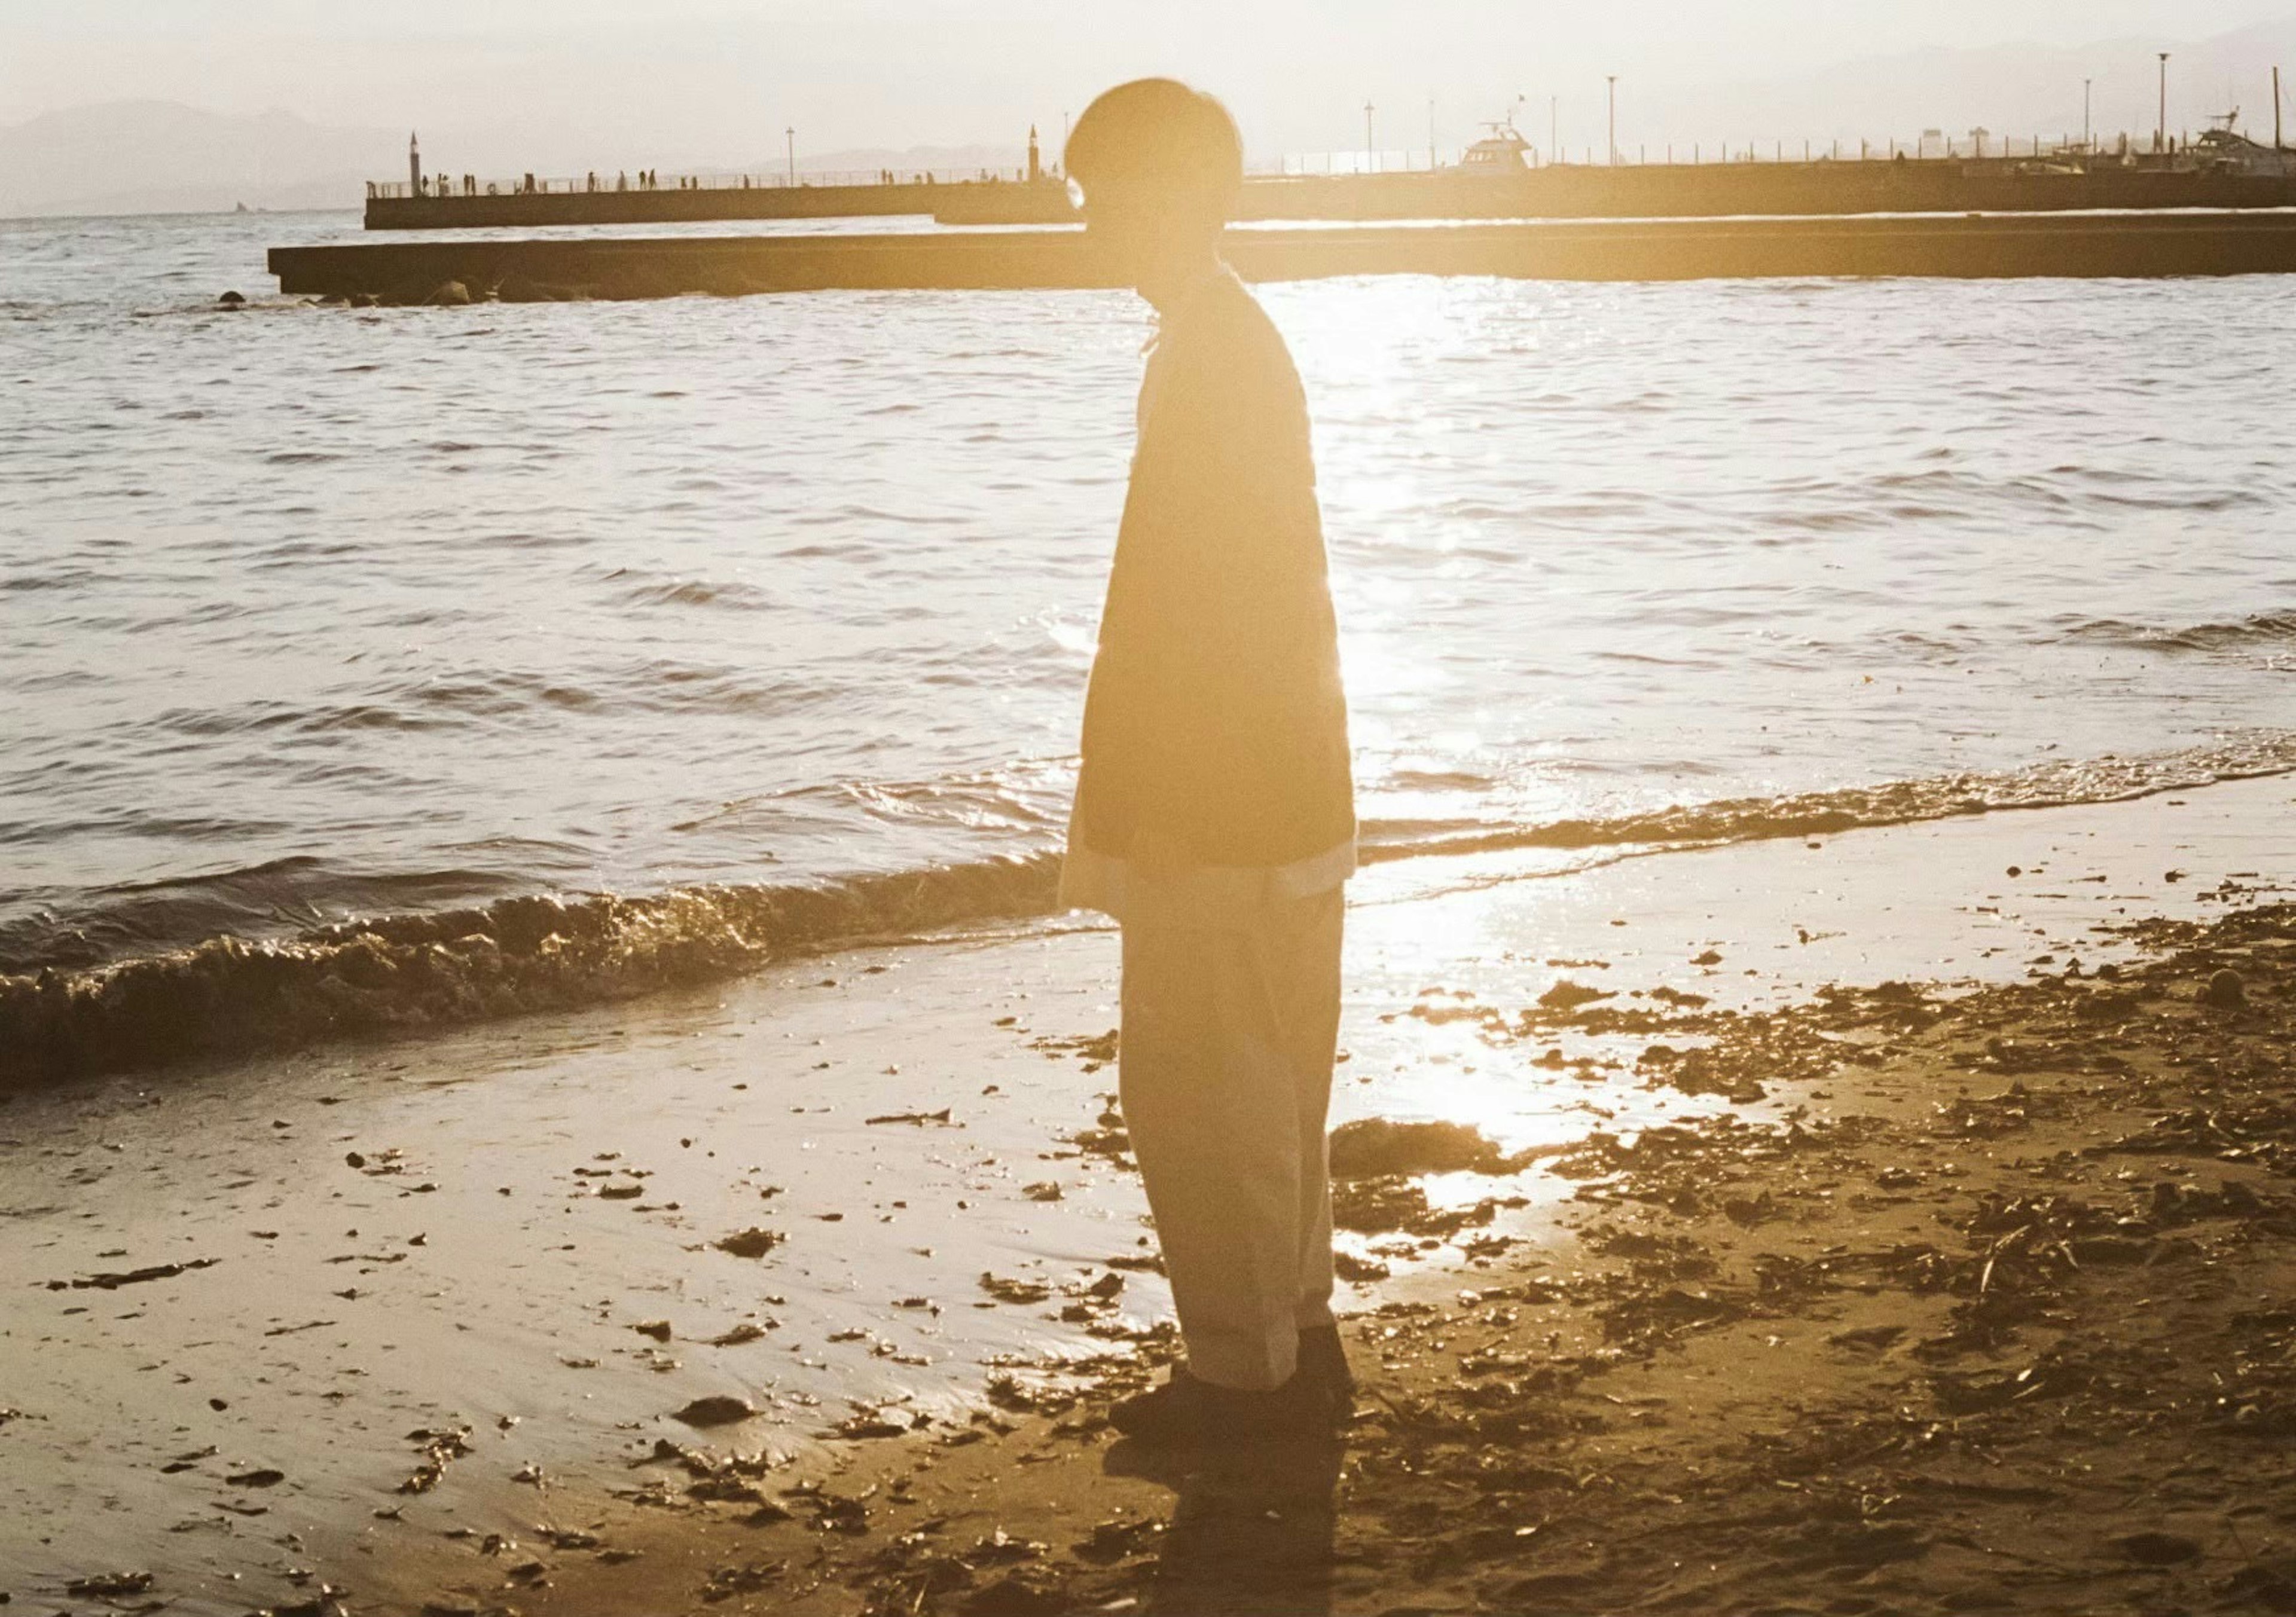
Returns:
<point x="417" y="971"/>
<point x="2260" y="628"/>
<point x="2057" y="784"/>
<point x="727" y="595"/>
<point x="410" y="974"/>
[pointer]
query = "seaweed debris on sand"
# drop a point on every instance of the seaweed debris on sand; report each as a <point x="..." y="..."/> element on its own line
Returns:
<point x="2007" y="1326"/>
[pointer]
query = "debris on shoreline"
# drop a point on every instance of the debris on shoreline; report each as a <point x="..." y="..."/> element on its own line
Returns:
<point x="2001" y="1326"/>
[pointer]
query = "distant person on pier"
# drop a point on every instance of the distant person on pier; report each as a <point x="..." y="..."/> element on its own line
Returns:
<point x="1214" y="810"/>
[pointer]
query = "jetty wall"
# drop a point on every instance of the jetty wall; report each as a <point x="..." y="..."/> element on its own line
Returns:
<point x="1561" y="191"/>
<point x="2137" y="244"/>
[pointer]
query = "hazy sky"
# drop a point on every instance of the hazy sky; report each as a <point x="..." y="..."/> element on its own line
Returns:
<point x="716" y="79"/>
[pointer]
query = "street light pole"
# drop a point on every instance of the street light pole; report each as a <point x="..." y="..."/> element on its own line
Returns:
<point x="791" y="134"/>
<point x="2085" y="125"/>
<point x="2161" y="129"/>
<point x="1613" y="79"/>
<point x="1371" y="155"/>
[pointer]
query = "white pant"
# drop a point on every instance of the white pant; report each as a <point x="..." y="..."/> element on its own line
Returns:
<point x="1230" y="1027"/>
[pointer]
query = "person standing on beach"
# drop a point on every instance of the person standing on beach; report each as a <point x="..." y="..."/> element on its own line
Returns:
<point x="1215" y="807"/>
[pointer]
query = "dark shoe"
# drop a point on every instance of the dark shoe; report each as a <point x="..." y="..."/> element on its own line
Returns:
<point x="1163" y="1416"/>
<point x="1188" y="1413"/>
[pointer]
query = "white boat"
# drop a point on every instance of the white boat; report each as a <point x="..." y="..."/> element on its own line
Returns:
<point x="1502" y="152"/>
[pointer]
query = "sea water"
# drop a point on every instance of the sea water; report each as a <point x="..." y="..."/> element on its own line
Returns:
<point x="322" y="617"/>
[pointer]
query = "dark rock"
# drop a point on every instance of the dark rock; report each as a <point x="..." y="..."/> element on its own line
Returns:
<point x="1567" y="995"/>
<point x="105" y="1585"/>
<point x="1374" y="1146"/>
<point x="2224" y="991"/>
<point x="2158" y="1548"/>
<point x="1358" y="1270"/>
<point x="719" y="1410"/>
<point x="752" y="1243"/>
<point x="230" y="300"/>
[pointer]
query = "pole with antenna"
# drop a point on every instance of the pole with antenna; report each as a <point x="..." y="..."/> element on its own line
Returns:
<point x="2275" y="108"/>
<point x="790" y="134"/>
<point x="2161" y="129"/>
<point x="2084" y="122"/>
<point x="1612" y="80"/>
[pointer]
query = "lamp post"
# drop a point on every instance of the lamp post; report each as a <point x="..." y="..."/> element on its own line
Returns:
<point x="1371" y="155"/>
<point x="789" y="134"/>
<point x="2161" y="129"/>
<point x="1612" y="80"/>
<point x="2084" y="124"/>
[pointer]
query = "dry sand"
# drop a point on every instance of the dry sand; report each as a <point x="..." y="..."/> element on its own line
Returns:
<point x="1850" y="1302"/>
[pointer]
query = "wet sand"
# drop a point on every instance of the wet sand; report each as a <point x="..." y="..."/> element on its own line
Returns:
<point x="450" y="1349"/>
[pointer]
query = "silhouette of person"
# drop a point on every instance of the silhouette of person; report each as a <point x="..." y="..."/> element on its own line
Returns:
<point x="1214" y="814"/>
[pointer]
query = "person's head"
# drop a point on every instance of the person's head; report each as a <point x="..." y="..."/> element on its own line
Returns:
<point x="1156" y="166"/>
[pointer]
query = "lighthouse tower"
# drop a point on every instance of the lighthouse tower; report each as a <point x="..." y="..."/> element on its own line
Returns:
<point x="1035" y="167"/>
<point x="414" y="163"/>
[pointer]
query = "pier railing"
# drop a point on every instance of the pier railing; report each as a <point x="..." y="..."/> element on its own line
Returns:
<point x="447" y="186"/>
<point x="1930" y="147"/>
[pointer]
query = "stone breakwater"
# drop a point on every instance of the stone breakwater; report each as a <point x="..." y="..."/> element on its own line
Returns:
<point x="1967" y="246"/>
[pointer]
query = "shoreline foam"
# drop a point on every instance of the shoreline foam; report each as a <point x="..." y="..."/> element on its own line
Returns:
<point x="422" y="972"/>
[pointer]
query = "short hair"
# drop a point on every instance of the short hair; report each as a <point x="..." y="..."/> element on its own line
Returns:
<point x="1159" y="130"/>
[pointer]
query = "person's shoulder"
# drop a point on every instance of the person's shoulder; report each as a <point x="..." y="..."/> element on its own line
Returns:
<point x="1227" y="306"/>
<point x="1228" y="335"/>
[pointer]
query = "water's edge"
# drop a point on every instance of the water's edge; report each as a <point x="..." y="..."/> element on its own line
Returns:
<point x="400" y="975"/>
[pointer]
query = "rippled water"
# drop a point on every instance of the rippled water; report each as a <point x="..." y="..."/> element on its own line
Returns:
<point x="312" y="614"/>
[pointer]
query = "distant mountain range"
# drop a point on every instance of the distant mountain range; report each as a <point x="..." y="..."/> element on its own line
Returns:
<point x="140" y="157"/>
<point x="161" y="157"/>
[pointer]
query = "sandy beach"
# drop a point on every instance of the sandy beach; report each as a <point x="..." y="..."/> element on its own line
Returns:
<point x="1855" y="1187"/>
<point x="566" y="1049"/>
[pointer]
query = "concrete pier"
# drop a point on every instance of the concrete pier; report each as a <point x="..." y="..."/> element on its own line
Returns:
<point x="1681" y="190"/>
<point x="2122" y="244"/>
<point x="1560" y="192"/>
